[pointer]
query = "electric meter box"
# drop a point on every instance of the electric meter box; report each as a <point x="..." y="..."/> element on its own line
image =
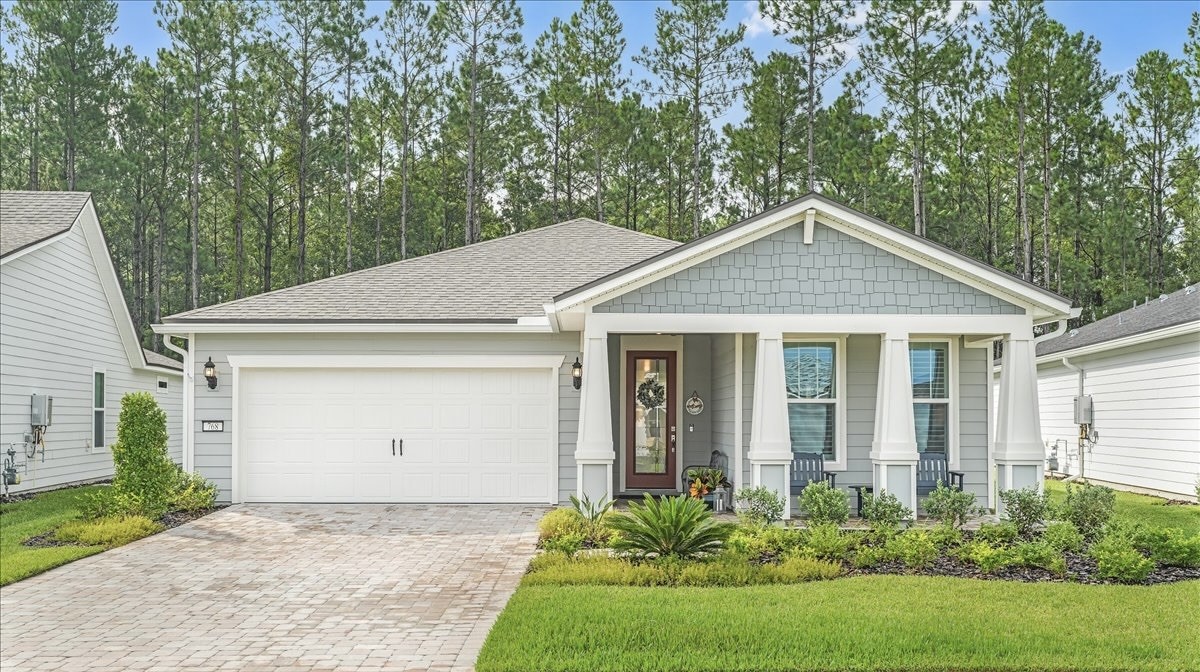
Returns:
<point x="1083" y="410"/>
<point x="41" y="410"/>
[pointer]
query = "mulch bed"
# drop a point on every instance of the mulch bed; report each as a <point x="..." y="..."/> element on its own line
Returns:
<point x="168" y="521"/>
<point x="1080" y="569"/>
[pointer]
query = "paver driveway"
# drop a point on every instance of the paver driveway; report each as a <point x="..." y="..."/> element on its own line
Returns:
<point x="279" y="587"/>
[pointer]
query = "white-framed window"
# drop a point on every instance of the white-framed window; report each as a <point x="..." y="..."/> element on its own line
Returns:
<point x="98" y="408"/>
<point x="932" y="363"/>
<point x="815" y="375"/>
<point x="162" y="386"/>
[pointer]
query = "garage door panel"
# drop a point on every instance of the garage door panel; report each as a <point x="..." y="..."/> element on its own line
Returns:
<point x="469" y="435"/>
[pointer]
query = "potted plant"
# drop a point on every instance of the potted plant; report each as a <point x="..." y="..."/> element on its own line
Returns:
<point x="705" y="482"/>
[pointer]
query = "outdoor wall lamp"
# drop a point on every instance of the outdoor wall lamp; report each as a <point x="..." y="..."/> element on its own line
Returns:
<point x="210" y="374"/>
<point x="577" y="374"/>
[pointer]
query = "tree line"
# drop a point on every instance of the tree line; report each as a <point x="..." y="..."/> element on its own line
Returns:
<point x="272" y="143"/>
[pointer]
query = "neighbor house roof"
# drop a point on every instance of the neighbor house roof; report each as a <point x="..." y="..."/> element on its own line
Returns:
<point x="29" y="217"/>
<point x="1168" y="310"/>
<point x="157" y="359"/>
<point x="495" y="281"/>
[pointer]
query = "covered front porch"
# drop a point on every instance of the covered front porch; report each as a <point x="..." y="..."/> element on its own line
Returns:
<point x="870" y="394"/>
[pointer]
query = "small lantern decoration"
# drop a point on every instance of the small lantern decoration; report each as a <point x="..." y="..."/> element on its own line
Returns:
<point x="210" y="374"/>
<point x="577" y="374"/>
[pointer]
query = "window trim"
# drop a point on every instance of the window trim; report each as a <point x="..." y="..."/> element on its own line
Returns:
<point x="952" y="428"/>
<point x="103" y="442"/>
<point x="840" y="449"/>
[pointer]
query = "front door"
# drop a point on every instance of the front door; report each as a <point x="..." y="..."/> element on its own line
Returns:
<point x="650" y="420"/>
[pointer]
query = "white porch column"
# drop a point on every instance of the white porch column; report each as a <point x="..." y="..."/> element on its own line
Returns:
<point x="894" y="447"/>
<point x="770" y="436"/>
<point x="1019" y="452"/>
<point x="594" y="454"/>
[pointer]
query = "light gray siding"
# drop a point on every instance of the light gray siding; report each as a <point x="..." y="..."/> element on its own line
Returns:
<point x="213" y="450"/>
<point x="56" y="327"/>
<point x="696" y="430"/>
<point x="974" y="372"/>
<point x="862" y="373"/>
<point x="837" y="274"/>
<point x="720" y="405"/>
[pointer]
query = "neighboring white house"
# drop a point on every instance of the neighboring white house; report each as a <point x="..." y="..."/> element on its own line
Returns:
<point x="1141" y="368"/>
<point x="66" y="333"/>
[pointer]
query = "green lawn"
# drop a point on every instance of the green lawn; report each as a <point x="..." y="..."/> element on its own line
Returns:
<point x="31" y="517"/>
<point x="1149" y="511"/>
<point x="874" y="622"/>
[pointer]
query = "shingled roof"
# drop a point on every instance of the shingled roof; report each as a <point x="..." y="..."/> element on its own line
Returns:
<point x="29" y="217"/>
<point x="495" y="281"/>
<point x="1166" y="311"/>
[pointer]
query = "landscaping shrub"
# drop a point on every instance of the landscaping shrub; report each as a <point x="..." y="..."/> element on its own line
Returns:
<point x="762" y="542"/>
<point x="721" y="571"/>
<point x="950" y="506"/>
<point x="1063" y="536"/>
<point x="724" y="570"/>
<point x="1089" y="507"/>
<point x="1039" y="554"/>
<point x="800" y="568"/>
<point x="193" y="493"/>
<point x="866" y="557"/>
<point x="997" y="534"/>
<point x="144" y="477"/>
<point x="1117" y="558"/>
<point x="1169" y="546"/>
<point x="823" y="504"/>
<point x="1026" y="508"/>
<point x="110" y="531"/>
<point x="945" y="536"/>
<point x="985" y="556"/>
<point x="885" y="512"/>
<point x="560" y="569"/>
<point x="828" y="542"/>
<point x="758" y="506"/>
<point x="559" y="523"/>
<point x="914" y="548"/>
<point x="679" y="526"/>
<point x="568" y="544"/>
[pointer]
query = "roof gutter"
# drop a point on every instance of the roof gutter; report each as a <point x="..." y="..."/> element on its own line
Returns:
<point x="539" y="324"/>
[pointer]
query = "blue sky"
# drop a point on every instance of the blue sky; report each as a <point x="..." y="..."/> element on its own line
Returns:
<point x="1125" y="28"/>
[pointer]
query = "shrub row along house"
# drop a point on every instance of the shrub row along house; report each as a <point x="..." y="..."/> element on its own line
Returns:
<point x="68" y="348"/>
<point x="586" y="358"/>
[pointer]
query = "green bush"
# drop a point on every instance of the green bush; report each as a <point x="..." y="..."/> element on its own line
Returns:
<point x="109" y="531"/>
<point x="721" y="571"/>
<point x="945" y="536"/>
<point x="594" y="515"/>
<point x="1089" y="507"/>
<point x="800" y="568"/>
<point x="914" y="548"/>
<point x="828" y="542"/>
<point x="885" y="512"/>
<point x="679" y="526"/>
<point x="561" y="522"/>
<point x="762" y="542"/>
<point x="985" y="556"/>
<point x="997" y="534"/>
<point x="144" y="477"/>
<point x="193" y="493"/>
<point x="866" y="557"/>
<point x="1170" y="546"/>
<point x="107" y="503"/>
<point x="1026" y="508"/>
<point x="1064" y="536"/>
<point x="569" y="544"/>
<point x="758" y="506"/>
<point x="823" y="504"/>
<point x="950" y="506"/>
<point x="560" y="569"/>
<point x="1039" y="554"/>
<point x="1117" y="558"/>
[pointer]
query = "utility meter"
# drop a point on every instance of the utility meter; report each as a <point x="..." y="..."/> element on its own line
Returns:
<point x="41" y="410"/>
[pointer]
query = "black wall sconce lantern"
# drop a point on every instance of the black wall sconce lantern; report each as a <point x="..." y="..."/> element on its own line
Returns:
<point x="577" y="374"/>
<point x="210" y="374"/>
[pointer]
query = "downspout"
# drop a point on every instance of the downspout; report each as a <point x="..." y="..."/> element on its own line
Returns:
<point x="1077" y="476"/>
<point x="1062" y="329"/>
<point x="188" y="385"/>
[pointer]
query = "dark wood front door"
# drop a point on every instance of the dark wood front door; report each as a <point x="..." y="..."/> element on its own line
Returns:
<point x="650" y="420"/>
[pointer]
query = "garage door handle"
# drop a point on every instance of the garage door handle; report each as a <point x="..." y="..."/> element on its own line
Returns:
<point x="393" y="447"/>
<point x="401" y="447"/>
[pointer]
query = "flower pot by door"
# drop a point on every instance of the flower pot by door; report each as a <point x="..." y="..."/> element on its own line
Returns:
<point x="650" y="427"/>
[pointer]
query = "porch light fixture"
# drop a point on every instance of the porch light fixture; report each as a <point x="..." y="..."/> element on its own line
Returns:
<point x="210" y="374"/>
<point x="577" y="374"/>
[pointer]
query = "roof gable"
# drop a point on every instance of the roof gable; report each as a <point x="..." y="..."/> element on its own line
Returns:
<point x="31" y="217"/>
<point x="1042" y="304"/>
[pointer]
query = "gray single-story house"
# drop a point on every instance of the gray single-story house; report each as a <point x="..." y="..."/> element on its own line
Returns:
<point x="66" y="337"/>
<point x="586" y="358"/>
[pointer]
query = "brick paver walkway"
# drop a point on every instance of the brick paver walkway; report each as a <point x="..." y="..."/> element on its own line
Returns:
<point x="279" y="587"/>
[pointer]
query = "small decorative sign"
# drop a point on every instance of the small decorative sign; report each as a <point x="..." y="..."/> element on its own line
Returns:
<point x="694" y="405"/>
<point x="212" y="425"/>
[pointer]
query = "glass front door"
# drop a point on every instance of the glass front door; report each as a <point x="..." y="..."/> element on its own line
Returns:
<point x="650" y="435"/>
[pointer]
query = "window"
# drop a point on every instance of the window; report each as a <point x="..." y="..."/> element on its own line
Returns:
<point x="810" y="374"/>
<point x="930" y="364"/>
<point x="162" y="385"/>
<point x="98" y="409"/>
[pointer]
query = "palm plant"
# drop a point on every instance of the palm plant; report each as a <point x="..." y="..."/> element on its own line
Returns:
<point x="669" y="526"/>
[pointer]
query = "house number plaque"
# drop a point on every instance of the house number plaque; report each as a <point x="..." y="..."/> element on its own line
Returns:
<point x="212" y="425"/>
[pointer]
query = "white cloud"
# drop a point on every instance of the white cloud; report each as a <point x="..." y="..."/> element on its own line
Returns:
<point x="756" y="24"/>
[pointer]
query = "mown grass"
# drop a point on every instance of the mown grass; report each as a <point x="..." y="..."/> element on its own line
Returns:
<point x="1149" y="511"/>
<point x="31" y="517"/>
<point x="859" y="623"/>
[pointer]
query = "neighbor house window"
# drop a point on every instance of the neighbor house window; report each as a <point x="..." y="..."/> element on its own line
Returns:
<point x="810" y="373"/>
<point x="98" y="409"/>
<point x="930" y="364"/>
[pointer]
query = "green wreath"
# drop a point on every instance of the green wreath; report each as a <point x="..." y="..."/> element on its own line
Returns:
<point x="651" y="393"/>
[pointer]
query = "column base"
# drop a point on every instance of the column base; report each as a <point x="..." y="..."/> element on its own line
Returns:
<point x="898" y="477"/>
<point x="1017" y="474"/>
<point x="594" y="479"/>
<point x="774" y="475"/>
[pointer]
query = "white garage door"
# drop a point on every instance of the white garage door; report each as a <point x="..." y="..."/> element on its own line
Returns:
<point x="396" y="435"/>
